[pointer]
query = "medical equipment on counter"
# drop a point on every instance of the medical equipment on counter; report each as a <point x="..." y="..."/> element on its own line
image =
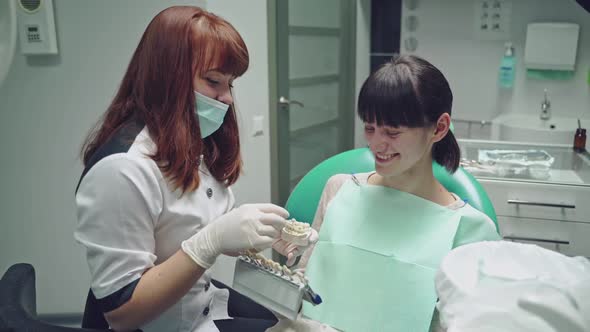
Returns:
<point x="511" y="163"/>
<point x="272" y="285"/>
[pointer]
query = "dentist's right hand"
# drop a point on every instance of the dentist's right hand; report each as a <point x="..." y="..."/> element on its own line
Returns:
<point x="250" y="226"/>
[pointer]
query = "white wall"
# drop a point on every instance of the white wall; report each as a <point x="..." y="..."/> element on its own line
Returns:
<point x="252" y="95"/>
<point x="47" y="106"/>
<point x="252" y="98"/>
<point x="445" y="36"/>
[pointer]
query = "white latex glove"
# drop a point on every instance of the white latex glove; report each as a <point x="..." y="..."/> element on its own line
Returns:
<point x="250" y="226"/>
<point x="292" y="251"/>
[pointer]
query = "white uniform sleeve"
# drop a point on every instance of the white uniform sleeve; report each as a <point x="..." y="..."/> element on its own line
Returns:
<point x="118" y="203"/>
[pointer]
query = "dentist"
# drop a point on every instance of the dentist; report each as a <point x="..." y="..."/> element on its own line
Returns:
<point x="154" y="204"/>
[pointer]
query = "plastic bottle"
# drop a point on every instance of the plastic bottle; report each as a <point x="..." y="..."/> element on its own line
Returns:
<point x="507" y="67"/>
<point x="580" y="140"/>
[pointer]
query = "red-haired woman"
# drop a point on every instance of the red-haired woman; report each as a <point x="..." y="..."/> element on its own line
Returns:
<point x="154" y="204"/>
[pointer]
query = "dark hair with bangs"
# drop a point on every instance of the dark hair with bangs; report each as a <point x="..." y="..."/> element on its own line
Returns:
<point x="409" y="91"/>
<point x="157" y="90"/>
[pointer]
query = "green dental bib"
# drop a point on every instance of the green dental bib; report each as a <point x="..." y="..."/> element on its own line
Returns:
<point x="376" y="258"/>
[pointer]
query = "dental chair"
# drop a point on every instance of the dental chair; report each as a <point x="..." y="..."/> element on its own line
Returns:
<point x="305" y="197"/>
<point x="18" y="303"/>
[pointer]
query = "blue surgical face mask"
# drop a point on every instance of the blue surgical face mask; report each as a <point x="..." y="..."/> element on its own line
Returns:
<point x="210" y="112"/>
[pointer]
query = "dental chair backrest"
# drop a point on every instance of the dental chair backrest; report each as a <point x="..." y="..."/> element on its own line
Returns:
<point x="18" y="303"/>
<point x="304" y="198"/>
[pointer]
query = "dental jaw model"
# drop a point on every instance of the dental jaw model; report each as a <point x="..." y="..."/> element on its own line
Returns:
<point x="296" y="232"/>
<point x="275" y="268"/>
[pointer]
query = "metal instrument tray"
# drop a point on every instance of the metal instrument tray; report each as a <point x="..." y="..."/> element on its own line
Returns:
<point x="272" y="289"/>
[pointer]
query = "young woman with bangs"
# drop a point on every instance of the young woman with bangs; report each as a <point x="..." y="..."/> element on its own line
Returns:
<point x="383" y="234"/>
<point x="154" y="204"/>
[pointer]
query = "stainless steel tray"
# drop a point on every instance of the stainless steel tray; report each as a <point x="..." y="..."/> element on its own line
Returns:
<point x="272" y="289"/>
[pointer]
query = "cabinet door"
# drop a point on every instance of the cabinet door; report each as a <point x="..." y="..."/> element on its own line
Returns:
<point x="569" y="238"/>
<point x="537" y="200"/>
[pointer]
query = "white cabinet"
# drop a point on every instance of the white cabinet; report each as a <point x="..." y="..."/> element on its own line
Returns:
<point x="550" y="209"/>
<point x="554" y="216"/>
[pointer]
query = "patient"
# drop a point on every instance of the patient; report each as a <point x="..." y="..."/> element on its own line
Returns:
<point x="383" y="234"/>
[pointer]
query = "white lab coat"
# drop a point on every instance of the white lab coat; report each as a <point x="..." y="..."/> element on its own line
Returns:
<point x="129" y="220"/>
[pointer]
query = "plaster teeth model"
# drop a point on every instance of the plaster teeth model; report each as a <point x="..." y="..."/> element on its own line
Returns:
<point x="275" y="268"/>
<point x="296" y="232"/>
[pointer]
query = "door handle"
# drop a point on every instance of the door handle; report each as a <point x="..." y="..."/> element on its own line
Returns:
<point x="286" y="102"/>
<point x="557" y="205"/>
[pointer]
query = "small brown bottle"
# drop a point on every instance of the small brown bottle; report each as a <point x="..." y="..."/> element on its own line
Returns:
<point x="580" y="140"/>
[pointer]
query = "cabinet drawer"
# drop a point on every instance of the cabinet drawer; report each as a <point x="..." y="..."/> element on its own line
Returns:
<point x="536" y="200"/>
<point x="569" y="238"/>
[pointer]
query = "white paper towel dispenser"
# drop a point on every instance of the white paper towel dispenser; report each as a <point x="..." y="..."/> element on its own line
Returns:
<point x="551" y="46"/>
